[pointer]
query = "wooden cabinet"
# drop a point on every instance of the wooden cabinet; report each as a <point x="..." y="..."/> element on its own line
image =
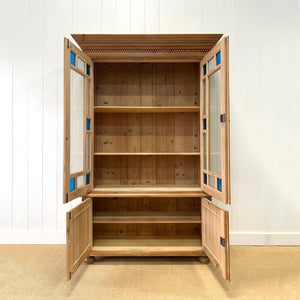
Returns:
<point x="146" y="144"/>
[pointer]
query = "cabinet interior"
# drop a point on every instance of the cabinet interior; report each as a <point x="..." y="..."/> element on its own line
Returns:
<point x="147" y="138"/>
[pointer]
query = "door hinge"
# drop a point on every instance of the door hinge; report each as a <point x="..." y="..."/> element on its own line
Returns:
<point x="67" y="198"/>
<point x="70" y="216"/>
<point x="70" y="275"/>
<point x="68" y="43"/>
<point x="222" y="241"/>
<point x="223" y="118"/>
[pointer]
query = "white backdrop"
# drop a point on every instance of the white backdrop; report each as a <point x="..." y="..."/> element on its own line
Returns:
<point x="265" y="106"/>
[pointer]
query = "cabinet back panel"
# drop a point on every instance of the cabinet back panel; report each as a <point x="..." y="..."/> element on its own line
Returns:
<point x="147" y="84"/>
<point x="146" y="170"/>
<point x="151" y="132"/>
<point x="144" y="230"/>
<point x="147" y="204"/>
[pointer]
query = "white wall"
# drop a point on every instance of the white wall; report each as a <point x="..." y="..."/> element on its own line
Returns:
<point x="265" y="106"/>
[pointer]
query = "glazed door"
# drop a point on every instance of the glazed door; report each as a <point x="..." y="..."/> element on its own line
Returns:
<point x="78" y="122"/>
<point x="215" y="166"/>
<point x="215" y="236"/>
<point x="79" y="235"/>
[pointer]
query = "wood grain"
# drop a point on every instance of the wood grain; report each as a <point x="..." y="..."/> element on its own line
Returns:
<point x="147" y="247"/>
<point x="215" y="226"/>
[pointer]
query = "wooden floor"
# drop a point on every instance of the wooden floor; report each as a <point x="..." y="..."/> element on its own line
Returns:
<point x="38" y="272"/>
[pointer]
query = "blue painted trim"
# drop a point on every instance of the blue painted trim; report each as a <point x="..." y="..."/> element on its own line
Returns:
<point x="88" y="124"/>
<point x="218" y="58"/>
<point x="88" y="69"/>
<point x="72" y="58"/>
<point x="88" y="177"/>
<point x="219" y="183"/>
<point x="204" y="70"/>
<point x="72" y="184"/>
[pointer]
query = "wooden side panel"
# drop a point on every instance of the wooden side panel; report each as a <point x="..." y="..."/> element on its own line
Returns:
<point x="215" y="236"/>
<point x="79" y="235"/>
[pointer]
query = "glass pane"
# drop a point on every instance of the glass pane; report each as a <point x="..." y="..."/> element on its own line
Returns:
<point x="218" y="58"/>
<point x="204" y="70"/>
<point x="72" y="184"/>
<point x="219" y="183"/>
<point x="214" y="122"/>
<point x="76" y="122"/>
<point x="87" y="97"/>
<point x="204" y="152"/>
<point x="88" y="69"/>
<point x="87" y="151"/>
<point x="80" y="64"/>
<point x="204" y="97"/>
<point x="88" y="178"/>
<point x="211" y="64"/>
<point x="205" y="178"/>
<point x="88" y="124"/>
<point x="80" y="181"/>
<point x="72" y="58"/>
<point x="211" y="181"/>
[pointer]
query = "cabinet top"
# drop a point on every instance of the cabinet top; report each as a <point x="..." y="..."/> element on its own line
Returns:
<point x="94" y="42"/>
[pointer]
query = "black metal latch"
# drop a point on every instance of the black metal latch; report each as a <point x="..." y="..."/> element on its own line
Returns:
<point x="222" y="241"/>
<point x="223" y="118"/>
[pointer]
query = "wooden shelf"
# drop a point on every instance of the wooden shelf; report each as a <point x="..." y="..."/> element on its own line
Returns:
<point x="146" y="153"/>
<point x="147" y="247"/>
<point x="147" y="191"/>
<point x="145" y="109"/>
<point x="146" y="217"/>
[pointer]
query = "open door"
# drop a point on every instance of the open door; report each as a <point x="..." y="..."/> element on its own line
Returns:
<point x="215" y="167"/>
<point x="78" y="122"/>
<point x="79" y="235"/>
<point x="215" y="236"/>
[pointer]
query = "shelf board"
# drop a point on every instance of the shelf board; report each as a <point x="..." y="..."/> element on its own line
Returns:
<point x="147" y="247"/>
<point x="145" y="109"/>
<point x="147" y="153"/>
<point x="147" y="191"/>
<point x="146" y="217"/>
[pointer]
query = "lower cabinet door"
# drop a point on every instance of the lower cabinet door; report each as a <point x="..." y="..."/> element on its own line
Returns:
<point x="79" y="235"/>
<point x="215" y="236"/>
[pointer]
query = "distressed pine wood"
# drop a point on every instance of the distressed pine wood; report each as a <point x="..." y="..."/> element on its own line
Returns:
<point x="146" y="47"/>
<point x="145" y="109"/>
<point x="147" y="191"/>
<point x="163" y="85"/>
<point x="146" y="217"/>
<point x="214" y="226"/>
<point x="147" y="247"/>
<point x="162" y="133"/>
<point x="79" y="235"/>
<point x="167" y="170"/>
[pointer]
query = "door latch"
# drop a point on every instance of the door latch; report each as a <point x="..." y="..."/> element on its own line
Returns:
<point x="222" y="241"/>
<point x="223" y="118"/>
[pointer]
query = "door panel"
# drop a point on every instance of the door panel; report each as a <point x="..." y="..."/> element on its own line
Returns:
<point x="215" y="236"/>
<point x="79" y="235"/>
<point x="78" y="122"/>
<point x="215" y="164"/>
